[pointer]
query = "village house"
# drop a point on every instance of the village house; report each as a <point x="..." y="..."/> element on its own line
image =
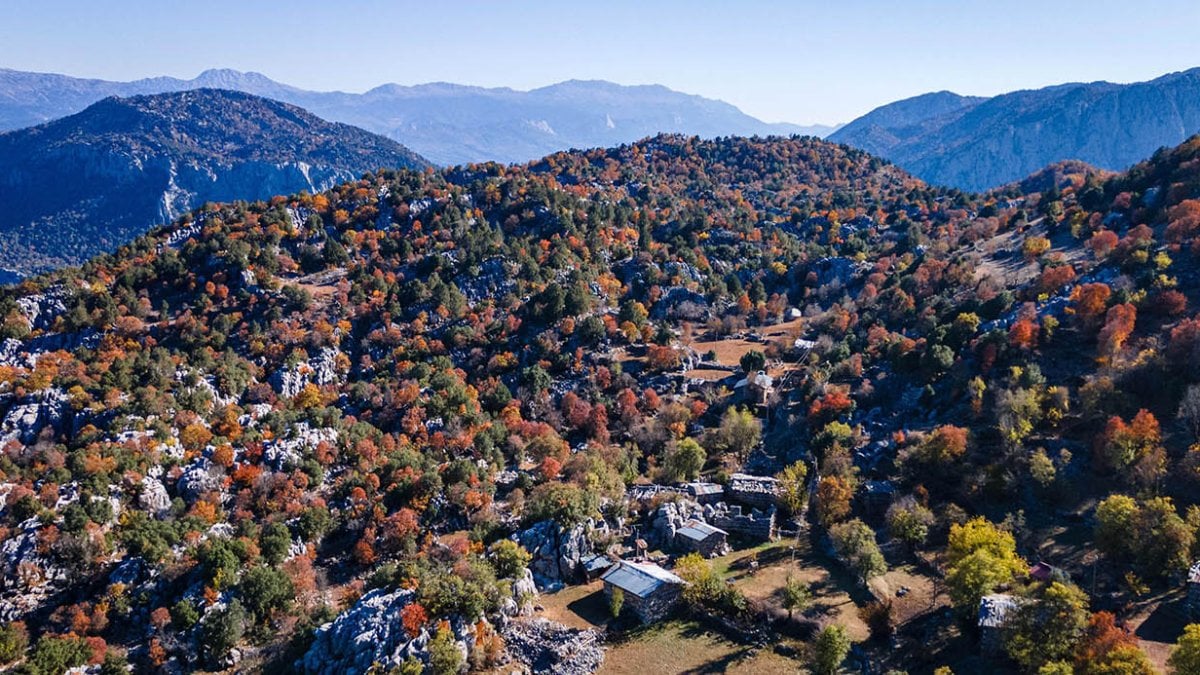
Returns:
<point x="705" y="493"/>
<point x="697" y="536"/>
<point x="595" y="565"/>
<point x="650" y="591"/>
<point x="995" y="611"/>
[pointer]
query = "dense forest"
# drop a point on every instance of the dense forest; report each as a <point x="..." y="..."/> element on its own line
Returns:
<point x="275" y="415"/>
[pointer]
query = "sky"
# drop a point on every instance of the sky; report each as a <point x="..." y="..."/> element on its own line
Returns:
<point x="801" y="61"/>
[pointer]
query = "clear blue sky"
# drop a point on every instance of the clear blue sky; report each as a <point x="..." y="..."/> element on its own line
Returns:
<point x="796" y="61"/>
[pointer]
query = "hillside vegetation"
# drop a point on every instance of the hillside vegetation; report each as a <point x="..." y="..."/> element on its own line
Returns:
<point x="273" y="413"/>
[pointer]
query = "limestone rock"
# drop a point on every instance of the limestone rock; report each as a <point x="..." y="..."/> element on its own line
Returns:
<point x="33" y="413"/>
<point x="556" y="552"/>
<point x="153" y="497"/>
<point x="549" y="647"/>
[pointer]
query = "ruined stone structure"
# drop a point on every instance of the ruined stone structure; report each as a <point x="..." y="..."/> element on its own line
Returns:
<point x="756" y="524"/>
<point x="757" y="491"/>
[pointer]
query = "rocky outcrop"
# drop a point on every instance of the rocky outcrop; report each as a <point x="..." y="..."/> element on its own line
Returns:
<point x="557" y="553"/>
<point x="42" y="309"/>
<point x="285" y="453"/>
<point x="320" y="370"/>
<point x="371" y="633"/>
<point x="33" y="413"/>
<point x="548" y="647"/>
<point x="153" y="497"/>
<point x="199" y="477"/>
<point x="27" y="577"/>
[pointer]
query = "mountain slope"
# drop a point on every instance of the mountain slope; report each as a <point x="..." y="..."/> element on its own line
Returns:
<point x="431" y="394"/>
<point x="447" y="123"/>
<point x="978" y="144"/>
<point x="87" y="183"/>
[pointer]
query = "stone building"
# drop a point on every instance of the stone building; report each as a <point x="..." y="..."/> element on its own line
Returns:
<point x="650" y="591"/>
<point x="757" y="491"/>
<point x="995" y="611"/>
<point x="697" y="536"/>
<point x="705" y="493"/>
<point x="758" y="525"/>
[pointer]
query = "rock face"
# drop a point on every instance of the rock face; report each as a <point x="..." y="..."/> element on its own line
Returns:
<point x="90" y="182"/>
<point x="153" y="497"/>
<point x="548" y="647"/>
<point x="320" y="369"/>
<point x="371" y="632"/>
<point x="33" y="413"/>
<point x="199" y="477"/>
<point x="980" y="143"/>
<point x="368" y="633"/>
<point x="556" y="552"/>
<point x="284" y="453"/>
<point x="26" y="576"/>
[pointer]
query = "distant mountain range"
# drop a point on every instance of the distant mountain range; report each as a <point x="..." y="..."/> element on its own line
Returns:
<point x="89" y="182"/>
<point x="446" y="123"/>
<point x="980" y="143"/>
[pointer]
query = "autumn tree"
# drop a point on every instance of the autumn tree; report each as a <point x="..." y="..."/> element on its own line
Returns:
<point x="1047" y="626"/>
<point x="1089" y="302"/>
<point x="1185" y="658"/>
<point x="833" y="500"/>
<point x="980" y="557"/>
<point x="793" y="489"/>
<point x="855" y="545"/>
<point x="683" y="461"/>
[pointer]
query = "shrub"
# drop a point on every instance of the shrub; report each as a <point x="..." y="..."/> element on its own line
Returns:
<point x="616" y="602"/>
<point x="14" y="639"/>
<point x="221" y="630"/>
<point x="265" y="590"/>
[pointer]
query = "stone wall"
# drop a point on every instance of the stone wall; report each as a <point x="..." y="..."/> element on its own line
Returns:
<point x="653" y="607"/>
<point x="756" y="524"/>
<point x="757" y="491"/>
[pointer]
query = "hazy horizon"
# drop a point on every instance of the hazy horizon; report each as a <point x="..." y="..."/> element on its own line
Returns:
<point x="801" y="63"/>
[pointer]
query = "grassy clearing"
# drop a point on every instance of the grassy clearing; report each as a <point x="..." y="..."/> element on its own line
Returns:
<point x="687" y="647"/>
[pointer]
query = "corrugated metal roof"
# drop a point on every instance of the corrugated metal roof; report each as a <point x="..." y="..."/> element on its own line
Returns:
<point x="698" y="489"/>
<point x="640" y="579"/>
<point x="697" y="530"/>
<point x="994" y="610"/>
<point x="596" y="562"/>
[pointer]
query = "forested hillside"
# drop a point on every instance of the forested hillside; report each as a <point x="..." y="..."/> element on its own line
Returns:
<point x="403" y="407"/>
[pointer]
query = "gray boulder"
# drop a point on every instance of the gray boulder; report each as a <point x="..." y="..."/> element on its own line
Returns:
<point x="557" y="553"/>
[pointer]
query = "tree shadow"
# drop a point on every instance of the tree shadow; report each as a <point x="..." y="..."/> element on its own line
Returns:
<point x="592" y="608"/>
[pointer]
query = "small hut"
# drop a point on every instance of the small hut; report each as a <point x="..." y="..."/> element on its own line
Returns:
<point x="697" y="536"/>
<point x="650" y="591"/>
<point x="995" y="611"/>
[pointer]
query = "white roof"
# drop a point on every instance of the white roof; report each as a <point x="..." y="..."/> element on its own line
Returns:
<point x="641" y="579"/>
<point x="994" y="610"/>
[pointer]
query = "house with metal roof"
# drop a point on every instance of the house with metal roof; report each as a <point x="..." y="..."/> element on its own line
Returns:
<point x="705" y="493"/>
<point x="650" y="592"/>
<point x="697" y="536"/>
<point x="995" y="611"/>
